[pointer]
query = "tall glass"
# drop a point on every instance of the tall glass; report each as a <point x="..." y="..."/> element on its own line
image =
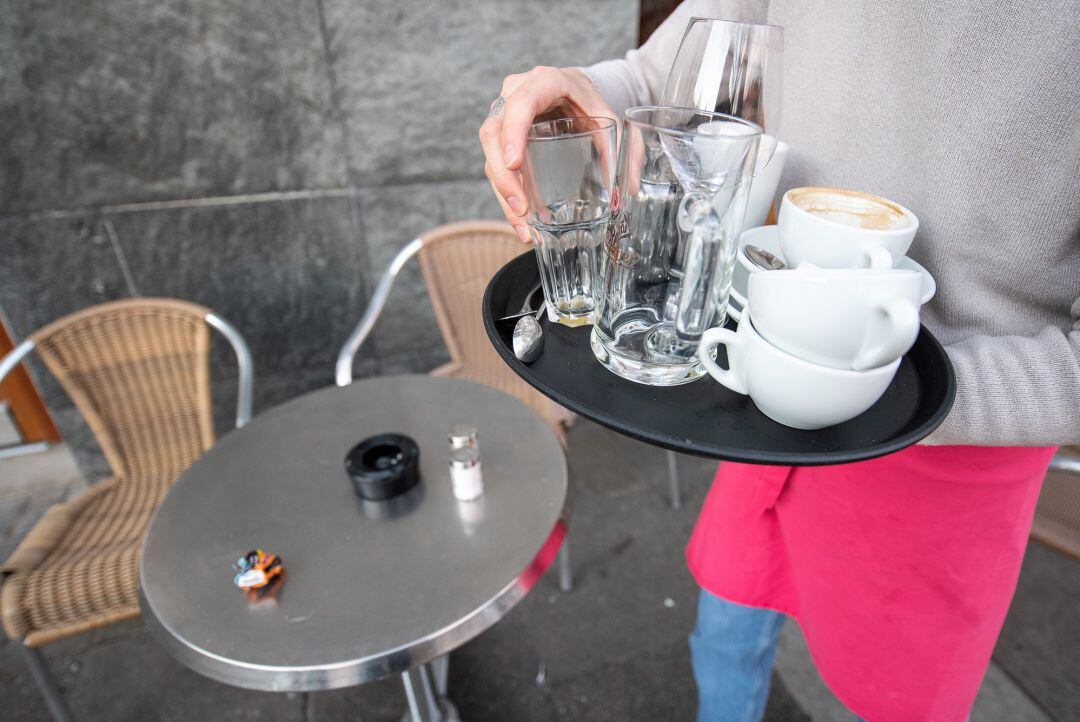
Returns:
<point x="568" y="174"/>
<point x="730" y="67"/>
<point x="678" y="206"/>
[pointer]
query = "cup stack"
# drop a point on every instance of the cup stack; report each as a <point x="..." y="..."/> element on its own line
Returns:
<point x="820" y="341"/>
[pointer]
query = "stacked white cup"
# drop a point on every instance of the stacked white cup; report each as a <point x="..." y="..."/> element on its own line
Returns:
<point x="820" y="342"/>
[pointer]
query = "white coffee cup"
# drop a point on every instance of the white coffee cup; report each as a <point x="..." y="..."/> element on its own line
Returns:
<point x="772" y="155"/>
<point x="849" y="318"/>
<point x="791" y="391"/>
<point x="835" y="228"/>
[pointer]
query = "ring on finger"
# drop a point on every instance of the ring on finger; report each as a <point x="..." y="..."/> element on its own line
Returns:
<point x="497" y="106"/>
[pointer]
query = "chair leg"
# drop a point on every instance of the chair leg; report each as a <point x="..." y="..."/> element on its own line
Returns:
<point x="566" y="572"/>
<point x="673" y="477"/>
<point x="45" y="682"/>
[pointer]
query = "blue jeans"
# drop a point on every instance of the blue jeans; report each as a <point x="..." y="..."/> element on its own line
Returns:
<point x="732" y="649"/>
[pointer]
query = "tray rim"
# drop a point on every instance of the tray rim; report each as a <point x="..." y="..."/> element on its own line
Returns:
<point x="720" y="452"/>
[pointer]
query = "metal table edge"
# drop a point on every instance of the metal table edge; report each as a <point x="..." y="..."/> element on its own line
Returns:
<point x="364" y="669"/>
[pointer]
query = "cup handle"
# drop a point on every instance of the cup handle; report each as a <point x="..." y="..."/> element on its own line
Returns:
<point x="731" y="377"/>
<point x="901" y="319"/>
<point x="880" y="257"/>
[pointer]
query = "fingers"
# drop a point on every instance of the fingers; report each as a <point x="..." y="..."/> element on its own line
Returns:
<point x="503" y="133"/>
<point x="507" y="183"/>
<point x="540" y="90"/>
<point x="515" y="219"/>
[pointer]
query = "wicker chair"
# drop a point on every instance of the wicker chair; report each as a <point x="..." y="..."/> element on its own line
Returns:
<point x="138" y="371"/>
<point x="458" y="260"/>
<point x="1057" y="516"/>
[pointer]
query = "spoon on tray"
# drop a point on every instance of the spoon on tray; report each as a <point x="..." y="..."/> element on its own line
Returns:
<point x="528" y="337"/>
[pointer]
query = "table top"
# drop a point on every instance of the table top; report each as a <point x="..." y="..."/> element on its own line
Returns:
<point x="371" y="589"/>
<point x="703" y="417"/>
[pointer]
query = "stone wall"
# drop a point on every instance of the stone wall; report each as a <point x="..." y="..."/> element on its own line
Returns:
<point x="266" y="158"/>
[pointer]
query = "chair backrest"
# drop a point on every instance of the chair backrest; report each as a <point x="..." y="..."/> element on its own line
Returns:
<point x="458" y="260"/>
<point x="138" y="371"/>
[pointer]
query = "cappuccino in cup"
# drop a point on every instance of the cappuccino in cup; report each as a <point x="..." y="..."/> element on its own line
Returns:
<point x="837" y="228"/>
<point x="851" y="208"/>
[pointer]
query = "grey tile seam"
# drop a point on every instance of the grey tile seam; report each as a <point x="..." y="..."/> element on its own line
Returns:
<point x="212" y="201"/>
<point x="121" y="259"/>
<point x="332" y="88"/>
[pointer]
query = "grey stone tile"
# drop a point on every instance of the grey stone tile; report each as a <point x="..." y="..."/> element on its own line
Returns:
<point x="287" y="274"/>
<point x="1001" y="700"/>
<point x="1039" y="642"/>
<point x="391" y="217"/>
<point x="495" y="677"/>
<point x="415" y="83"/>
<point x="52" y="267"/>
<point x="28" y="486"/>
<point x="10" y="511"/>
<point x="131" y="678"/>
<point x="382" y="701"/>
<point x="134" y="100"/>
<point x="800" y="677"/>
<point x="81" y="442"/>
<point x="657" y="685"/>
<point x="653" y="685"/>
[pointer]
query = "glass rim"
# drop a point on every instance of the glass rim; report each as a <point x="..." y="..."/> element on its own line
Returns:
<point x="702" y="19"/>
<point x="630" y="112"/>
<point x="608" y="125"/>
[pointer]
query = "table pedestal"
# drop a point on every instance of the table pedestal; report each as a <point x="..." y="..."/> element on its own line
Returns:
<point x="425" y="688"/>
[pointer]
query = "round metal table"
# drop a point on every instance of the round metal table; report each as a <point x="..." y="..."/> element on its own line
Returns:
<point x="371" y="589"/>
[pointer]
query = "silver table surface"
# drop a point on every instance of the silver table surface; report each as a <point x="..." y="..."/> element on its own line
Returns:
<point x="364" y="597"/>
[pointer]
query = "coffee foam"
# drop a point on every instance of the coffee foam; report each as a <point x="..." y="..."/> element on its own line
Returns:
<point x="851" y="208"/>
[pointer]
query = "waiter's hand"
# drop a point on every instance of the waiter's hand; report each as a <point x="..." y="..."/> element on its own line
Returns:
<point x="525" y="97"/>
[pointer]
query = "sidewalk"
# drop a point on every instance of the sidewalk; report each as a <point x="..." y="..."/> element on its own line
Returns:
<point x="613" y="649"/>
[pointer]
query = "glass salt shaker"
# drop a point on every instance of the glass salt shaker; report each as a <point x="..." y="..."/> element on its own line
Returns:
<point x="465" y="474"/>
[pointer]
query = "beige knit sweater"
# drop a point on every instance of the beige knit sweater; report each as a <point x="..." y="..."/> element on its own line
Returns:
<point x="968" y="113"/>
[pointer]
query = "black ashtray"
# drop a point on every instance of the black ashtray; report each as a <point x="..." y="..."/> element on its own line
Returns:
<point x="383" y="466"/>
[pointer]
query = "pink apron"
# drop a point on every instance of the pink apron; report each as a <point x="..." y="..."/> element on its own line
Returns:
<point x="899" y="570"/>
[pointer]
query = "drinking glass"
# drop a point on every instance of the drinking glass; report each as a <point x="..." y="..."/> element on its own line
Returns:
<point x="568" y="173"/>
<point x="730" y="67"/>
<point x="676" y="213"/>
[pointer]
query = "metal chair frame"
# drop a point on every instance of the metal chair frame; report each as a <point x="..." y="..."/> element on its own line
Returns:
<point x="1068" y="463"/>
<point x="343" y="372"/>
<point x="245" y="366"/>
<point x="35" y="662"/>
<point x="1058" y="524"/>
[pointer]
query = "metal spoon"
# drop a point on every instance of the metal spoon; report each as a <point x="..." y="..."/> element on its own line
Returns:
<point x="763" y="259"/>
<point x="526" y="308"/>
<point x="528" y="337"/>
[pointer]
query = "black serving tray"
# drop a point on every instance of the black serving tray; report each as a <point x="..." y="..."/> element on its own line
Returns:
<point x="704" y="418"/>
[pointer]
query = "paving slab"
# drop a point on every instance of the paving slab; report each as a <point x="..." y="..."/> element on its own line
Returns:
<point x="1039" y="647"/>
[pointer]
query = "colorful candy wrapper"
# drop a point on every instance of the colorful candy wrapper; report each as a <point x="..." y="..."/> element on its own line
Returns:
<point x="260" y="573"/>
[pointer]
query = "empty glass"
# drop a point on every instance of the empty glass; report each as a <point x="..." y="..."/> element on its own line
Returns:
<point x="568" y="173"/>
<point x="730" y="67"/>
<point x="670" y="248"/>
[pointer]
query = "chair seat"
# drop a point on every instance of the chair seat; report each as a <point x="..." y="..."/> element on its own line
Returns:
<point x="77" y="569"/>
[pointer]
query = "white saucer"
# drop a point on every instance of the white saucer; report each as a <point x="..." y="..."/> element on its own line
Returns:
<point x="768" y="238"/>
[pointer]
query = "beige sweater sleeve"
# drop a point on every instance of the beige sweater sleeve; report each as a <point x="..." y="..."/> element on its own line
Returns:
<point x="638" y="78"/>
<point x="1016" y="390"/>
